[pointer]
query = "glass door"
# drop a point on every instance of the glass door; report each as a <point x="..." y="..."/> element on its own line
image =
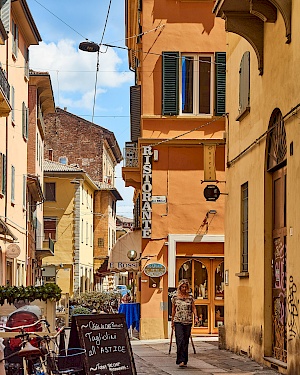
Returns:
<point x="206" y="277"/>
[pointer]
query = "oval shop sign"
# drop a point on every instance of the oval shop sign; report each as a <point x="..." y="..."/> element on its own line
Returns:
<point x="155" y="270"/>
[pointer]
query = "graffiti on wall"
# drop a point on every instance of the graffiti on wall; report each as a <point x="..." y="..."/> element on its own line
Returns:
<point x="293" y="303"/>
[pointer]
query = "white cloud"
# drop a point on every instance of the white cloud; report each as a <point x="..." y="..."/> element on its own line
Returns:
<point x="73" y="72"/>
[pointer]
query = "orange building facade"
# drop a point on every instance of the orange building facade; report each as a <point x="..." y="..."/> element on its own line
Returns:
<point x="177" y="149"/>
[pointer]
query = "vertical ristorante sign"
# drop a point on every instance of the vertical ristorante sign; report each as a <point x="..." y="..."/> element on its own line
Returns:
<point x="147" y="192"/>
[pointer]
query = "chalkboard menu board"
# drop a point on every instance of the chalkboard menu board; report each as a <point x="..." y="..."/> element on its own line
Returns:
<point x="105" y="339"/>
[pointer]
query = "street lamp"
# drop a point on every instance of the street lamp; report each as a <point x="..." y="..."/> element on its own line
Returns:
<point x="89" y="47"/>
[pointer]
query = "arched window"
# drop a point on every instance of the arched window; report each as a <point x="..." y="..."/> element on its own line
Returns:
<point x="276" y="143"/>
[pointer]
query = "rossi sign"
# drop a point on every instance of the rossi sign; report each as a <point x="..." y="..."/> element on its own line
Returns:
<point x="147" y="192"/>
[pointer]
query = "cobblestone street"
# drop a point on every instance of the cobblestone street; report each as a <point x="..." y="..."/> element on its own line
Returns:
<point x="151" y="357"/>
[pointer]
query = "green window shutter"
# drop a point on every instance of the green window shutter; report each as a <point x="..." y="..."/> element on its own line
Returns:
<point x="135" y="112"/>
<point x="220" y="60"/>
<point x="170" y="78"/>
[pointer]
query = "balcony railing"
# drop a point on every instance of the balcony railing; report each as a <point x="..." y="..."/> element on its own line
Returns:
<point x="131" y="156"/>
<point x="4" y="85"/>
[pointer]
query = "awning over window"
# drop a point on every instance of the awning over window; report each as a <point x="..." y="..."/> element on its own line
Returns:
<point x="118" y="260"/>
<point x="5" y="231"/>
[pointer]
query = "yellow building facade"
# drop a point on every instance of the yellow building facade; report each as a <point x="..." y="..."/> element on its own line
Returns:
<point x="262" y="220"/>
<point x="68" y="222"/>
<point x="177" y="149"/>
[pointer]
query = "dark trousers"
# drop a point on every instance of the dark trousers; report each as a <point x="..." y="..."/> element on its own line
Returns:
<point x="182" y="333"/>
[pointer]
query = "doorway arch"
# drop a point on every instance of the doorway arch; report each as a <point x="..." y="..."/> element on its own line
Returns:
<point x="276" y="168"/>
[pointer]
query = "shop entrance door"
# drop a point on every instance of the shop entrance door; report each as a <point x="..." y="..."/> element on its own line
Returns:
<point x="206" y="277"/>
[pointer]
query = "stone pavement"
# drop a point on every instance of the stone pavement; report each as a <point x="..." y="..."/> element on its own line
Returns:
<point x="152" y="358"/>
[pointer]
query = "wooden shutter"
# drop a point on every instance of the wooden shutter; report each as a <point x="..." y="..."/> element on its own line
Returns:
<point x="244" y="82"/>
<point x="23" y="119"/>
<point x="12" y="183"/>
<point x="170" y="77"/>
<point x="5" y="14"/>
<point x="220" y="107"/>
<point x="3" y="174"/>
<point x="135" y="112"/>
<point x="12" y="103"/>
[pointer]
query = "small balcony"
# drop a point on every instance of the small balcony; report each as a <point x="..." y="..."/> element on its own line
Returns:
<point x="131" y="169"/>
<point x="5" y="107"/>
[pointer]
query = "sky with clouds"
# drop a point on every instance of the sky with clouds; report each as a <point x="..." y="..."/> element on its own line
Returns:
<point x="63" y="24"/>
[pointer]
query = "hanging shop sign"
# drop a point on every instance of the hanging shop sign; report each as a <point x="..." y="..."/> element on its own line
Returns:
<point x="147" y="192"/>
<point x="155" y="269"/>
<point x="211" y="192"/>
<point x="13" y="251"/>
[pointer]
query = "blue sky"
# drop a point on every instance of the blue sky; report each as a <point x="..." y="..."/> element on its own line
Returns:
<point x="73" y="72"/>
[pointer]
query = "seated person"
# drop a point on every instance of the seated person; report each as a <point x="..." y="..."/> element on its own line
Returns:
<point x="126" y="298"/>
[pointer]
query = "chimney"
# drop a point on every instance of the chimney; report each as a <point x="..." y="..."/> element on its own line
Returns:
<point x="65" y="108"/>
<point x="50" y="154"/>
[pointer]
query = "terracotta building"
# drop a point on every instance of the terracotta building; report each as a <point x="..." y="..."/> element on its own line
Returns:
<point x="74" y="141"/>
<point x="177" y="148"/>
<point x="262" y="180"/>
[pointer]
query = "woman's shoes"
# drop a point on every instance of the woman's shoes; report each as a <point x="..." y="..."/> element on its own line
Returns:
<point x="182" y="364"/>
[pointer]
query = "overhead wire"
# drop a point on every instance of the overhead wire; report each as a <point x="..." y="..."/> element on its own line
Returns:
<point x="98" y="59"/>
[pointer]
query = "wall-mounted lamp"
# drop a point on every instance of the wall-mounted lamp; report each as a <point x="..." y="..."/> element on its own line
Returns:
<point x="132" y="256"/>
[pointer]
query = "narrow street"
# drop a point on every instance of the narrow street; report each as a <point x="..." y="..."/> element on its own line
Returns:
<point x="151" y="357"/>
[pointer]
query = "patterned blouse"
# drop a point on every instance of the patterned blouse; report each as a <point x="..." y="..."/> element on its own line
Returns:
<point x="183" y="309"/>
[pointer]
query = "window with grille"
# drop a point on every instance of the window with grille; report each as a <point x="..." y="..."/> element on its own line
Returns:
<point x="244" y="227"/>
<point x="100" y="242"/>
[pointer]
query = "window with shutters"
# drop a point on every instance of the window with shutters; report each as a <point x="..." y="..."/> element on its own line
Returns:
<point x="15" y="39"/>
<point x="12" y="103"/>
<point x="2" y="174"/>
<point x="193" y="84"/>
<point x="135" y="112"/>
<point x="24" y="121"/>
<point x="244" y="86"/>
<point x="50" y="224"/>
<point x="13" y="177"/>
<point x="244" y="227"/>
<point x="26" y="65"/>
<point x="50" y="191"/>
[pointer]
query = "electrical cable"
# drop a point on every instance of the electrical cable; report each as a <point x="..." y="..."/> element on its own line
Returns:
<point x="61" y="20"/>
<point x="98" y="59"/>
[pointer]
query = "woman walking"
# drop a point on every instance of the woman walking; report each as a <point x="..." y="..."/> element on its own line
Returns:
<point x="183" y="308"/>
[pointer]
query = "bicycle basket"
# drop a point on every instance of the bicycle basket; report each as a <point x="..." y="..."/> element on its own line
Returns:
<point x="71" y="358"/>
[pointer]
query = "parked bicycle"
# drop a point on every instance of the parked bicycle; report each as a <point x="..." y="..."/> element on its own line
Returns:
<point x="39" y="353"/>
